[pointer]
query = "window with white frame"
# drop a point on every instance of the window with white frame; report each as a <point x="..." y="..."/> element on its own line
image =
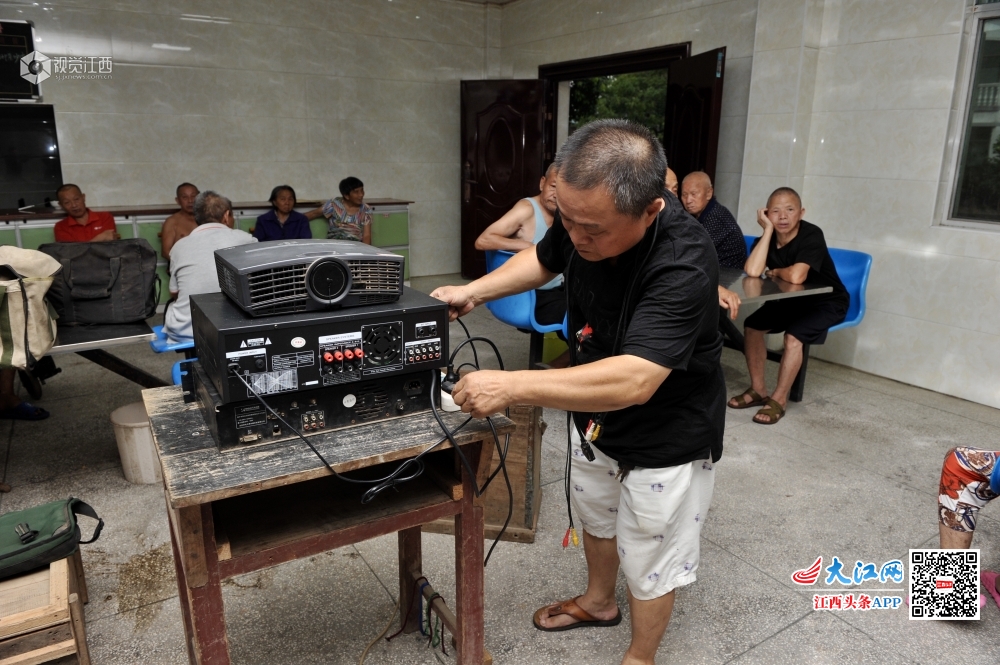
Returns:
<point x="976" y="192"/>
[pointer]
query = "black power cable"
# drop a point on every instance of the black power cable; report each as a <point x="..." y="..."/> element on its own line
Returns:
<point x="396" y="477"/>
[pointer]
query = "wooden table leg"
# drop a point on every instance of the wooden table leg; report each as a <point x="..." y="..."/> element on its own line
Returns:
<point x="410" y="564"/>
<point x="182" y="594"/>
<point x="469" y="576"/>
<point x="205" y="621"/>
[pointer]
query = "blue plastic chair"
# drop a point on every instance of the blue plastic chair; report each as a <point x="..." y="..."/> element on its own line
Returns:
<point x="749" y="241"/>
<point x="178" y="371"/>
<point x="163" y="344"/>
<point x="853" y="268"/>
<point x="519" y="310"/>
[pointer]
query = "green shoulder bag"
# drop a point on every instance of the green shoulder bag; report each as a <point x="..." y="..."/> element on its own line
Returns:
<point x="35" y="537"/>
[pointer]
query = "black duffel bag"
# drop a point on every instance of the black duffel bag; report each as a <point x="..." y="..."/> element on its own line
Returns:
<point x="104" y="282"/>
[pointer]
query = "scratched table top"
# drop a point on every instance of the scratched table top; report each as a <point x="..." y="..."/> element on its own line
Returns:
<point x="195" y="471"/>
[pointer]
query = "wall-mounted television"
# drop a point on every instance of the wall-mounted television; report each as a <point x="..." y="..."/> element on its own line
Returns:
<point x="30" y="169"/>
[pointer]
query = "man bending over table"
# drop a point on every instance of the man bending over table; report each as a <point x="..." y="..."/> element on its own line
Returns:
<point x="793" y="250"/>
<point x="641" y="275"/>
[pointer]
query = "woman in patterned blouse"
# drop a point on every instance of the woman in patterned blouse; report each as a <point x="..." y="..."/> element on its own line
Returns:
<point x="349" y="217"/>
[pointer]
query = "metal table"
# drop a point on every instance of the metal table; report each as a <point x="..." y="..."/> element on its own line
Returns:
<point x="90" y="342"/>
<point x="754" y="290"/>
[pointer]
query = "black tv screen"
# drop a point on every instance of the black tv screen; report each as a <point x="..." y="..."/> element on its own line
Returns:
<point x="30" y="169"/>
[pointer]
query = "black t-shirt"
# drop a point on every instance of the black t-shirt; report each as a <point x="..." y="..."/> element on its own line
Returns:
<point x="675" y="324"/>
<point x="809" y="247"/>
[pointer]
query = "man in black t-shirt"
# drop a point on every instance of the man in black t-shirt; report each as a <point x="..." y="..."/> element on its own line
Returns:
<point x="793" y="250"/>
<point x="646" y="387"/>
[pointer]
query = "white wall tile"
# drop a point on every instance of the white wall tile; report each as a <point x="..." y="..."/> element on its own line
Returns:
<point x="881" y="20"/>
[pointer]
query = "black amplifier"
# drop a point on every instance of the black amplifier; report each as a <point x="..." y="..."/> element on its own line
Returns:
<point x="310" y="351"/>
<point x="239" y="424"/>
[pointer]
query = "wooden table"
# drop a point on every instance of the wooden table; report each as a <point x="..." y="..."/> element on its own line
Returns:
<point x="251" y="508"/>
<point x="754" y="290"/>
<point x="91" y="342"/>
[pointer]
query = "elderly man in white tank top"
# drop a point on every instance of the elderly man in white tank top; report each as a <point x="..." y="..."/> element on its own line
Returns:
<point x="524" y="226"/>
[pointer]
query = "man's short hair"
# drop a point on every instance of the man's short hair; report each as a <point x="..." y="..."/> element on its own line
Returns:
<point x="182" y="186"/>
<point x="68" y="185"/>
<point x="622" y="156"/>
<point x="785" y="190"/>
<point x="349" y="184"/>
<point x="550" y="170"/>
<point x="210" y="207"/>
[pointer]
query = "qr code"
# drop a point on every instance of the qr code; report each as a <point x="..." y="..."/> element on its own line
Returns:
<point x="944" y="584"/>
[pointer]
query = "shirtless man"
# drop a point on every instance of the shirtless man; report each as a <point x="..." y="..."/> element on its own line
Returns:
<point x="522" y="227"/>
<point x="181" y="223"/>
<point x="518" y="229"/>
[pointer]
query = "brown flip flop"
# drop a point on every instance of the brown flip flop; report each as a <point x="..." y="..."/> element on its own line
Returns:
<point x="755" y="399"/>
<point x="583" y="618"/>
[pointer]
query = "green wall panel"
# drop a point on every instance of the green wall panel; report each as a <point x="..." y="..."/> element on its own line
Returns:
<point x="125" y="230"/>
<point x="246" y="223"/>
<point x="319" y="227"/>
<point x="31" y="238"/>
<point x="8" y="237"/>
<point x="161" y="270"/>
<point x="151" y="232"/>
<point x="390" y="229"/>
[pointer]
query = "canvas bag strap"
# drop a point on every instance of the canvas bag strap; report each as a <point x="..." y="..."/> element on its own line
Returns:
<point x="82" y="508"/>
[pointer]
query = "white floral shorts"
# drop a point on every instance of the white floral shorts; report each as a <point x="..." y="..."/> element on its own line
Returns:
<point x="656" y="514"/>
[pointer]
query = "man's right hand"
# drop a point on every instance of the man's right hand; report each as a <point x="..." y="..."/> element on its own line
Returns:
<point x="763" y="219"/>
<point x="105" y="236"/>
<point x="459" y="300"/>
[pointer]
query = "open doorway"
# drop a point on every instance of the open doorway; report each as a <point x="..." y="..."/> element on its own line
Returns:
<point x="676" y="95"/>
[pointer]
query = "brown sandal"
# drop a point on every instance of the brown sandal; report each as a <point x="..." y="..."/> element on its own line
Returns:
<point x="582" y="616"/>
<point x="756" y="400"/>
<point x="772" y="410"/>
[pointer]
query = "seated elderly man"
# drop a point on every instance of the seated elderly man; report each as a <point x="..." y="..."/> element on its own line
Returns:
<point x="181" y="223"/>
<point x="192" y="259"/>
<point x="81" y="223"/>
<point x="524" y="226"/>
<point x="671" y="181"/>
<point x="698" y="197"/>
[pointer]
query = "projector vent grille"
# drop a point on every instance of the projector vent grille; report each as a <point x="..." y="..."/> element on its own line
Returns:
<point x="375" y="277"/>
<point x="278" y="290"/>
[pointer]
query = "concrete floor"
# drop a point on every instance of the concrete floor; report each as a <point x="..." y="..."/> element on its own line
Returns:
<point x="852" y="471"/>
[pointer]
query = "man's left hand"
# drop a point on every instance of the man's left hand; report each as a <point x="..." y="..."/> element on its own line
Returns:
<point x="483" y="393"/>
<point x="730" y="301"/>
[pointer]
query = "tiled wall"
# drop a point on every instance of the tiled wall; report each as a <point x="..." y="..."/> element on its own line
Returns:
<point x="537" y="32"/>
<point x="240" y="96"/>
<point x="874" y="127"/>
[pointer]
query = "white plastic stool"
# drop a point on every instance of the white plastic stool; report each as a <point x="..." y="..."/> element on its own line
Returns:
<point x="135" y="445"/>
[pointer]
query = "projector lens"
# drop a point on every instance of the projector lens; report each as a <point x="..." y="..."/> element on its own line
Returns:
<point x="327" y="280"/>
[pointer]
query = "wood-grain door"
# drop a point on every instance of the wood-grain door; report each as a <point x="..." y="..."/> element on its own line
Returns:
<point x="694" y="109"/>
<point x="502" y="141"/>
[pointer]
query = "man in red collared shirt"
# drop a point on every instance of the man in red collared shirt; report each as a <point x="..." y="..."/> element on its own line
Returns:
<point x="82" y="224"/>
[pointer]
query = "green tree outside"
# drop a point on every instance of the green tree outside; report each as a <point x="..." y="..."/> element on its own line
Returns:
<point x="639" y="96"/>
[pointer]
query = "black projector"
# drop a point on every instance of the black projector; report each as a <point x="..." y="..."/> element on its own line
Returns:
<point x="285" y="276"/>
